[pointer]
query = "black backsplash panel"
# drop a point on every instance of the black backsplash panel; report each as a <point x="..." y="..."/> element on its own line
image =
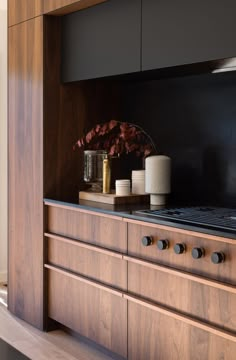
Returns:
<point x="193" y="120"/>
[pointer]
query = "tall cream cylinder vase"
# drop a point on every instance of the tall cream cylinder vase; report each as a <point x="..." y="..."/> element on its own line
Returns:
<point x="158" y="178"/>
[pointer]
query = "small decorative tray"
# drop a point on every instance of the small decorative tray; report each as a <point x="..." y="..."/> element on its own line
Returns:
<point x="113" y="198"/>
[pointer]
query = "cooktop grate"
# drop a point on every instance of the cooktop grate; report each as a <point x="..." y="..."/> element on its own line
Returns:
<point x="210" y="217"/>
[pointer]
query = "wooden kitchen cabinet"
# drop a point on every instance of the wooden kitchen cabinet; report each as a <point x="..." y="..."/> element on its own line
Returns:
<point x="87" y="274"/>
<point x="97" y="278"/>
<point x="22" y="10"/>
<point x="186" y="32"/>
<point x="102" y="41"/>
<point x="179" y="307"/>
<point x="25" y="131"/>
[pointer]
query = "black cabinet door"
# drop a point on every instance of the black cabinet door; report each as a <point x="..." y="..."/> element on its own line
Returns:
<point x="103" y="40"/>
<point x="187" y="31"/>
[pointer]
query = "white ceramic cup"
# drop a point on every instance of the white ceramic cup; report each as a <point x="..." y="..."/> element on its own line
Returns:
<point x="123" y="187"/>
<point x="138" y="181"/>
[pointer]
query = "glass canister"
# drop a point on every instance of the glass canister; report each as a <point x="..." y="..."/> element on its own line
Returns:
<point x="93" y="168"/>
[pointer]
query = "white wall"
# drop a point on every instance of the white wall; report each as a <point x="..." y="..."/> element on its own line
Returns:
<point x="3" y="140"/>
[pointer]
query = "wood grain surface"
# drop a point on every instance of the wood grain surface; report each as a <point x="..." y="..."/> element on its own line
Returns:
<point x="93" y="262"/>
<point x="70" y="109"/>
<point x="62" y="7"/>
<point x="97" y="314"/>
<point x="203" y="302"/>
<point x="158" y="336"/>
<point x="224" y="272"/>
<point x="113" y="198"/>
<point x="26" y="171"/>
<point x="61" y="163"/>
<point x="94" y="229"/>
<point x="22" y="10"/>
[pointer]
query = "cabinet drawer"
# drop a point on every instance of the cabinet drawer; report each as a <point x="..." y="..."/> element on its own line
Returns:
<point x="153" y="335"/>
<point x="89" y="309"/>
<point x="206" y="300"/>
<point x="95" y="228"/>
<point x="93" y="262"/>
<point x="225" y="272"/>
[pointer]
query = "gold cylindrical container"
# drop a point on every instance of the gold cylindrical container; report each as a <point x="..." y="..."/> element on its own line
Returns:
<point x="106" y="176"/>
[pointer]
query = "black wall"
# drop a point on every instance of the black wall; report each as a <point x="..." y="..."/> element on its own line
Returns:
<point x="193" y="120"/>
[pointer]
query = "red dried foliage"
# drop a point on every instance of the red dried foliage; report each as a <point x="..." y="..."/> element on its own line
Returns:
<point x="117" y="138"/>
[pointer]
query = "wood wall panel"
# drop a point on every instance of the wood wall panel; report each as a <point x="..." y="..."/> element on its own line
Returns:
<point x="21" y="10"/>
<point x="70" y="111"/>
<point x="62" y="7"/>
<point x="26" y="171"/>
<point x="64" y="121"/>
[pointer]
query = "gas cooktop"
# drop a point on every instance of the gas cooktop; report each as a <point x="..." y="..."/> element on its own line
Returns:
<point x="217" y="218"/>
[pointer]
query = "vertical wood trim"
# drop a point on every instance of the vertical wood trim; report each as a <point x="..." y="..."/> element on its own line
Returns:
<point x="25" y="152"/>
<point x="22" y="10"/>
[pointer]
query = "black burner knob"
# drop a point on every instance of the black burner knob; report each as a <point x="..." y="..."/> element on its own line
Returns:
<point x="197" y="253"/>
<point x="147" y="240"/>
<point x="179" y="248"/>
<point x="217" y="257"/>
<point x="162" y="244"/>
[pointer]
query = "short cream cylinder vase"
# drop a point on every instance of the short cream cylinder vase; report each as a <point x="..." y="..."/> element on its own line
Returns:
<point x="123" y="187"/>
<point x="158" y="178"/>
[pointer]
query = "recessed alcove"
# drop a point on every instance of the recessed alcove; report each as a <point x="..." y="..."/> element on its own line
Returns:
<point x="191" y="118"/>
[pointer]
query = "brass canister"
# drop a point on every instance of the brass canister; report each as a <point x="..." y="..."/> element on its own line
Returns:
<point x="106" y="176"/>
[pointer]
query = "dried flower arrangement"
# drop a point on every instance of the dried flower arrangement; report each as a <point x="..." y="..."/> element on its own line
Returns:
<point x="117" y="138"/>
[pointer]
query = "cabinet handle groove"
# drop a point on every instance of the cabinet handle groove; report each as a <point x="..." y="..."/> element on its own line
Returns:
<point x="183" y="274"/>
<point x="83" y="245"/>
<point x="84" y="280"/>
<point x="186" y="319"/>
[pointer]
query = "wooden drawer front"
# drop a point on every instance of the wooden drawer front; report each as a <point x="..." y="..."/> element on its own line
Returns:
<point x="153" y="335"/>
<point x="225" y="271"/>
<point x="96" y="229"/>
<point x="96" y="263"/>
<point x="208" y="301"/>
<point x="89" y="310"/>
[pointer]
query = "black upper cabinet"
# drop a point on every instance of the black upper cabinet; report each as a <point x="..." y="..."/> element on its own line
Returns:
<point x="103" y="40"/>
<point x="187" y="31"/>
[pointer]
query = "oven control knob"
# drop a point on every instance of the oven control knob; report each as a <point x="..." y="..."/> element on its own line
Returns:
<point x="162" y="244"/>
<point x="217" y="257"/>
<point x="179" y="248"/>
<point x="147" y="241"/>
<point x="197" y="253"/>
